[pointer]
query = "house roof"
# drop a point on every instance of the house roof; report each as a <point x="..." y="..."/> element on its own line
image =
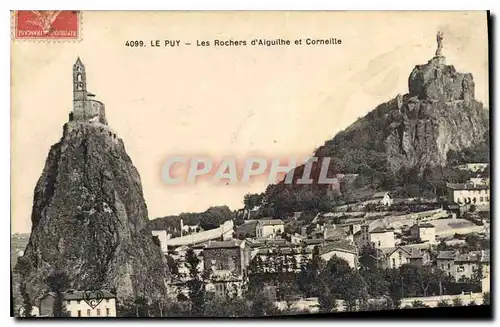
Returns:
<point x="220" y="244"/>
<point x="338" y="246"/>
<point x="412" y="252"/>
<point x="379" y="195"/>
<point x="82" y="295"/>
<point x="424" y="225"/>
<point x="270" y="222"/>
<point x="380" y="230"/>
<point x="285" y="250"/>
<point x="466" y="186"/>
<point x="446" y="255"/>
<point x="311" y="241"/>
<point x="473" y="256"/>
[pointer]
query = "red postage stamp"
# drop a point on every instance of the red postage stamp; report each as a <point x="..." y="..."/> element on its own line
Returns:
<point x="47" y="25"/>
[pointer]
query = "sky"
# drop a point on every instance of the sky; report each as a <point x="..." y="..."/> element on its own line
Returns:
<point x="274" y="102"/>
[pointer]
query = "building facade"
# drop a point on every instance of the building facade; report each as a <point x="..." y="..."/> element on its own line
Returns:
<point x="464" y="266"/>
<point x="424" y="232"/>
<point x="468" y="194"/>
<point x="226" y="263"/>
<point x="269" y="228"/>
<point x="382" y="238"/>
<point x="99" y="303"/>
<point x="401" y="255"/>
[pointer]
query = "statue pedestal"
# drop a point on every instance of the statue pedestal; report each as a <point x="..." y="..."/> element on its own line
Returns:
<point x="438" y="60"/>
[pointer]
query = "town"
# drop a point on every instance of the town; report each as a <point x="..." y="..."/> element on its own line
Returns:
<point x="377" y="234"/>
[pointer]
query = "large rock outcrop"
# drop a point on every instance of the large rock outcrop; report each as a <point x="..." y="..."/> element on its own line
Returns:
<point x="417" y="129"/>
<point x="437" y="115"/>
<point x="90" y="221"/>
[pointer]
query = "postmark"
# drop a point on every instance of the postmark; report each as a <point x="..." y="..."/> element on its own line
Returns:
<point x="47" y="25"/>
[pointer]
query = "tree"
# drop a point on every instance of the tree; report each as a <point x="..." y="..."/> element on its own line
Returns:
<point x="326" y="300"/>
<point x="486" y="299"/>
<point x="289" y="291"/>
<point x="377" y="284"/>
<point x="262" y="305"/>
<point x="195" y="284"/>
<point x="368" y="257"/>
<point x="27" y="305"/>
<point x="309" y="276"/>
<point x="457" y="302"/>
<point x="156" y="241"/>
<point x="21" y="268"/>
<point x="172" y="265"/>
<point x="478" y="275"/>
<point x="418" y="304"/>
<point x="58" y="282"/>
<point x="443" y="304"/>
<point x="141" y="307"/>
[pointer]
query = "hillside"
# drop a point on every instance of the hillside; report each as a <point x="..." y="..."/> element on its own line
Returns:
<point x="412" y="138"/>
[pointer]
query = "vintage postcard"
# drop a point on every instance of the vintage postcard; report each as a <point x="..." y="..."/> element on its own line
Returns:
<point x="248" y="164"/>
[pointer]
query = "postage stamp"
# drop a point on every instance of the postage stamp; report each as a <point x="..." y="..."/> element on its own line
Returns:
<point x="47" y="25"/>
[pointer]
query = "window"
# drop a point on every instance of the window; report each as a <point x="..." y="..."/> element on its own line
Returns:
<point x="480" y="199"/>
<point x="400" y="256"/>
<point x="68" y="302"/>
<point x="393" y="263"/>
<point x="88" y="312"/>
<point x="107" y="300"/>
<point x="79" y="313"/>
<point x="220" y="289"/>
<point x="98" y="312"/>
<point x="449" y="266"/>
<point x="78" y="301"/>
<point x="79" y="77"/>
<point x="460" y="269"/>
<point x="107" y="311"/>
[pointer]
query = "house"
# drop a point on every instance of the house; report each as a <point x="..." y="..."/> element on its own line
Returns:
<point x="480" y="181"/>
<point x="382" y="198"/>
<point x="296" y="238"/>
<point x="380" y="237"/>
<point x="290" y="257"/>
<point x="468" y="193"/>
<point x="423" y="232"/>
<point x="269" y="228"/>
<point x="343" y="250"/>
<point x="465" y="265"/>
<point x="446" y="261"/>
<point x="226" y="263"/>
<point x="98" y="303"/>
<point x="474" y="167"/>
<point x="397" y="256"/>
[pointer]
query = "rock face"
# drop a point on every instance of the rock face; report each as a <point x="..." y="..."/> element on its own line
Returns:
<point x="90" y="220"/>
<point x="438" y="114"/>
